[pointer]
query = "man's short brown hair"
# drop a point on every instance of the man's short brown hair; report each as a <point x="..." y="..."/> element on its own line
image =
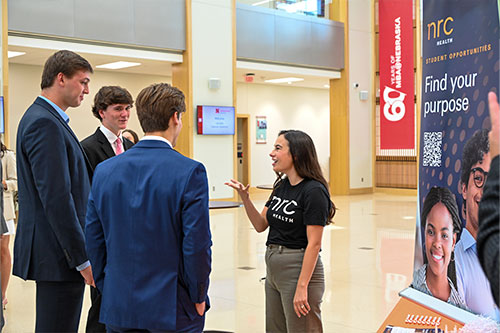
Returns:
<point x="65" y="62"/>
<point x="156" y="104"/>
<point x="109" y="95"/>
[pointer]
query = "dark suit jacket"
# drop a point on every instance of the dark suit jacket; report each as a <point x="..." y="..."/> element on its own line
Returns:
<point x="488" y="238"/>
<point x="148" y="236"/>
<point x="53" y="184"/>
<point x="98" y="148"/>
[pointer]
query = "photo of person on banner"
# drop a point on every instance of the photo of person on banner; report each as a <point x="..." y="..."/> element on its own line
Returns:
<point x="472" y="283"/>
<point x="442" y="225"/>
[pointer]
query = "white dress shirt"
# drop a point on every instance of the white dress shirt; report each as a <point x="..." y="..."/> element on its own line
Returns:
<point x="157" y="138"/>
<point x="111" y="137"/>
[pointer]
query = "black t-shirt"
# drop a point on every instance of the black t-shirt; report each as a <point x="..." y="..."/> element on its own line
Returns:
<point x="292" y="208"/>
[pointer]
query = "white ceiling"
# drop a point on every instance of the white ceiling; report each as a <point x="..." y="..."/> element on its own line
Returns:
<point x="160" y="63"/>
<point x="38" y="50"/>
<point x="313" y="78"/>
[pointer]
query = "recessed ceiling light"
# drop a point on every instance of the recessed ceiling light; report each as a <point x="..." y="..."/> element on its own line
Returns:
<point x="408" y="217"/>
<point x="261" y="2"/>
<point x="326" y="86"/>
<point x="288" y="80"/>
<point x="119" y="65"/>
<point x="12" y="54"/>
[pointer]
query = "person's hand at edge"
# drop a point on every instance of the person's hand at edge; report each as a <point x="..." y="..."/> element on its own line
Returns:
<point x="494" y="134"/>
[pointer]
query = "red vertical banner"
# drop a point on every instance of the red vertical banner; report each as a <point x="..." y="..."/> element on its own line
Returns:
<point x="397" y="83"/>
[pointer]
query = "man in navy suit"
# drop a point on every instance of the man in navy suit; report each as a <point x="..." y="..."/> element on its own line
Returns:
<point x="147" y="226"/>
<point x="53" y="184"/>
<point x="112" y="106"/>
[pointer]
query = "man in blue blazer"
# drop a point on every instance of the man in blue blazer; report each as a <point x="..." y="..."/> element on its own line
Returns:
<point x="147" y="226"/>
<point x="53" y="184"/>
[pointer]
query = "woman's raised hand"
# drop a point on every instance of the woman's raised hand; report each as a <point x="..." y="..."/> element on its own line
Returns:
<point x="239" y="187"/>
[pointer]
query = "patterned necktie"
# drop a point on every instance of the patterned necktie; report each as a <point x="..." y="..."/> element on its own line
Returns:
<point x="119" y="146"/>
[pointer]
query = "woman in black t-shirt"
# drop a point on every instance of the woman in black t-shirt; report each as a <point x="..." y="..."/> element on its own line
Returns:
<point x="297" y="211"/>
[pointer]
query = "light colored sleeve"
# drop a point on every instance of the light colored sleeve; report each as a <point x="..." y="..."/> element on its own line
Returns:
<point x="10" y="171"/>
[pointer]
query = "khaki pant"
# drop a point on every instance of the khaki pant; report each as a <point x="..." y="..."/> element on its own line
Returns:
<point x="283" y="270"/>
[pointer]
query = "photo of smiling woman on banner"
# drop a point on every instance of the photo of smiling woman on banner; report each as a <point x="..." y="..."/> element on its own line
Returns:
<point x="442" y="224"/>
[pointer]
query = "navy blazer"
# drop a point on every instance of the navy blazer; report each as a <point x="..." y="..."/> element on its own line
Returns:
<point x="148" y="236"/>
<point x="53" y="185"/>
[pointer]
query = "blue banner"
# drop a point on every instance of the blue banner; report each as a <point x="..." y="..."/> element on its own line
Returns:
<point x="460" y="66"/>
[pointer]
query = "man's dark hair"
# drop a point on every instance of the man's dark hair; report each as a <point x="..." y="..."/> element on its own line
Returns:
<point x="110" y="95"/>
<point x="474" y="151"/>
<point x="65" y="62"/>
<point x="156" y="104"/>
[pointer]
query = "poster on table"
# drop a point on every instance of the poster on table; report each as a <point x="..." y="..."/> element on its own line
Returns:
<point x="460" y="64"/>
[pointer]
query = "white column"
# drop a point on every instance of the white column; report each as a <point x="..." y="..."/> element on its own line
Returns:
<point x="212" y="45"/>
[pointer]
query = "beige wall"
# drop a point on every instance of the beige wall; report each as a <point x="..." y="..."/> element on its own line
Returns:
<point x="285" y="107"/>
<point x="24" y="87"/>
<point x="360" y="112"/>
<point x="212" y="58"/>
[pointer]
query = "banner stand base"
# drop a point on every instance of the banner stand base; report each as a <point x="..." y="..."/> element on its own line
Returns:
<point x="424" y="313"/>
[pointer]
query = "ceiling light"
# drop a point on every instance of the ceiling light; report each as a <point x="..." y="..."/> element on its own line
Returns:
<point x="12" y="54"/>
<point x="288" y="80"/>
<point x="326" y="86"/>
<point x="261" y="3"/>
<point x="119" y="65"/>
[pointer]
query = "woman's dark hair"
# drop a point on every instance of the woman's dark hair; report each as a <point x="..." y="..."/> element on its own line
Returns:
<point x="134" y="134"/>
<point x="305" y="161"/>
<point x="3" y="149"/>
<point x="443" y="195"/>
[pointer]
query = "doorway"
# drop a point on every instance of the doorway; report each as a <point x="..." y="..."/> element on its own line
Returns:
<point x="243" y="148"/>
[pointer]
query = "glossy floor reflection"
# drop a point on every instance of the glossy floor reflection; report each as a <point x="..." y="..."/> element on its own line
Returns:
<point x="367" y="254"/>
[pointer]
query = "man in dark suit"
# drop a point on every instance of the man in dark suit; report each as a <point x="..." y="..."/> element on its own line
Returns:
<point x="147" y="226"/>
<point x="53" y="184"/>
<point x="112" y="106"/>
<point x="488" y="238"/>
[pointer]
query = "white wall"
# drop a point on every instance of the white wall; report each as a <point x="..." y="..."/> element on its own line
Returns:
<point x="212" y="58"/>
<point x="24" y="87"/>
<point x="360" y="112"/>
<point x="285" y="107"/>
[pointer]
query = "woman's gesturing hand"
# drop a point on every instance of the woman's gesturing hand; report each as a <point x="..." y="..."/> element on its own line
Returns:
<point x="242" y="190"/>
<point x="300" y="304"/>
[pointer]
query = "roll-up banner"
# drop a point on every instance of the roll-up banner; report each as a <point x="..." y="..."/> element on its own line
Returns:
<point x="460" y="66"/>
<point x="397" y="83"/>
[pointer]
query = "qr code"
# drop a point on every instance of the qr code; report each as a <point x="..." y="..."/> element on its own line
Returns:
<point x="432" y="148"/>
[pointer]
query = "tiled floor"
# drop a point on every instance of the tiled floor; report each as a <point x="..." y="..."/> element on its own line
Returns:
<point x="367" y="254"/>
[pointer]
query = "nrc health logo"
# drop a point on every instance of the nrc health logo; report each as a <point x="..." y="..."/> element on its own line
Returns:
<point x="441" y="30"/>
<point x="287" y="206"/>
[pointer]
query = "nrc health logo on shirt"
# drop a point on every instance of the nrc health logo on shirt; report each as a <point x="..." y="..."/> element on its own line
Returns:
<point x="284" y="206"/>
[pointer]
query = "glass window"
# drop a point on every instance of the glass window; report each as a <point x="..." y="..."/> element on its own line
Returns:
<point x="304" y="7"/>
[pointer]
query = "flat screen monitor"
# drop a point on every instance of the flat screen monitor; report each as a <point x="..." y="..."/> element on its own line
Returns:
<point x="215" y="120"/>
